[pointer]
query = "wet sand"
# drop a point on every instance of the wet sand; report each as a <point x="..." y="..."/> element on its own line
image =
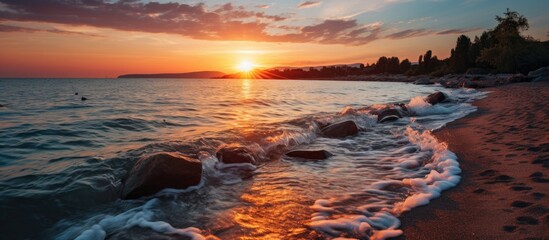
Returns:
<point x="503" y="150"/>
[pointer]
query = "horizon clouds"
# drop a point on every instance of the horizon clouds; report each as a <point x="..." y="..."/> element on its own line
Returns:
<point x="226" y="22"/>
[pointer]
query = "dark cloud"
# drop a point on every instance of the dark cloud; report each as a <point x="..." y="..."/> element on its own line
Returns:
<point x="309" y="4"/>
<point x="226" y="22"/>
<point x="10" y="28"/>
<point x="409" y="33"/>
<point x="457" y="31"/>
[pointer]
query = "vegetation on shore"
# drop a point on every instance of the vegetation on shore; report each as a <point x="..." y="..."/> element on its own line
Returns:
<point x="503" y="49"/>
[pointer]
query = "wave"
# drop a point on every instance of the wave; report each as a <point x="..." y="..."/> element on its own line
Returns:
<point x="385" y="170"/>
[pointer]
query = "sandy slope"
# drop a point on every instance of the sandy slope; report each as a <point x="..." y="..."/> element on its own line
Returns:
<point x="503" y="150"/>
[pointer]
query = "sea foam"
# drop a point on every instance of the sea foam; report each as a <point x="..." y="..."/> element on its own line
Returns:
<point x="378" y="218"/>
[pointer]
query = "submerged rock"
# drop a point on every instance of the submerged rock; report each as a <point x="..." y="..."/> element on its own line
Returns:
<point x="541" y="79"/>
<point x="340" y="129"/>
<point x="540" y="72"/>
<point x="236" y="154"/>
<point x="153" y="173"/>
<point x="435" y="98"/>
<point x="423" y="81"/>
<point x="310" y="154"/>
<point x="388" y="115"/>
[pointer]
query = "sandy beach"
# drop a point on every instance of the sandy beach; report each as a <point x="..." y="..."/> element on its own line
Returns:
<point x="503" y="150"/>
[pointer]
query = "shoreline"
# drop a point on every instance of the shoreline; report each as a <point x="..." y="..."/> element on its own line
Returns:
<point x="503" y="153"/>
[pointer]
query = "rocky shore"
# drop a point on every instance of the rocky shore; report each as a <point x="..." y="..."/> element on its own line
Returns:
<point x="472" y="79"/>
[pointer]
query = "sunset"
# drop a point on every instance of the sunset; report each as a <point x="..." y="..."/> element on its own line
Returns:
<point x="305" y="119"/>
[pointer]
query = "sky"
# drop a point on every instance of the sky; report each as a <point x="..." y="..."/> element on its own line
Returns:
<point x="107" y="38"/>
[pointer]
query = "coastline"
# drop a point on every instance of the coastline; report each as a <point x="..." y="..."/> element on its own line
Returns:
<point x="503" y="153"/>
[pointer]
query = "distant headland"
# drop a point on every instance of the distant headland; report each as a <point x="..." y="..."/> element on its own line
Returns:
<point x="201" y="74"/>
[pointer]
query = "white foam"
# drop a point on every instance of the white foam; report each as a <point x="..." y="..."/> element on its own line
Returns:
<point x="137" y="217"/>
<point x="440" y="172"/>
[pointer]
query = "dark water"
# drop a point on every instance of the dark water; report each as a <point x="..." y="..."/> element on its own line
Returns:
<point x="62" y="159"/>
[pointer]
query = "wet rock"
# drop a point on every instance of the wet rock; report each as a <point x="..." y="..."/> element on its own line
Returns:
<point x="541" y="79"/>
<point x="340" y="129"/>
<point x="424" y="81"/>
<point x="236" y="154"/>
<point x="477" y="71"/>
<point x="435" y="98"/>
<point x="153" y="173"/>
<point x="540" y="72"/>
<point x="308" y="154"/>
<point x="388" y="115"/>
<point x="403" y="107"/>
<point x="518" y="78"/>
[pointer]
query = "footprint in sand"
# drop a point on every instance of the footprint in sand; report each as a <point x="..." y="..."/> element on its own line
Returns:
<point x="508" y="228"/>
<point x="521" y="204"/>
<point x="520" y="188"/>
<point x="538" y="195"/>
<point x="527" y="220"/>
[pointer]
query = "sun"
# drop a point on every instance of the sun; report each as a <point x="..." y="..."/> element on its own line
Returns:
<point x="246" y="66"/>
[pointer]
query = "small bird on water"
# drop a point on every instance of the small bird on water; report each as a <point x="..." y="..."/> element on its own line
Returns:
<point x="84" y="99"/>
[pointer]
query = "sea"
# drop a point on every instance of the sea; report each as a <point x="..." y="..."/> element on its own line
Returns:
<point x="63" y="159"/>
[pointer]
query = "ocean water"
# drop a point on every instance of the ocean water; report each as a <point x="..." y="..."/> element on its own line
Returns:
<point x="62" y="159"/>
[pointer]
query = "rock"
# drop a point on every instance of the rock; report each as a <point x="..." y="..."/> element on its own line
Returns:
<point x="75" y="93"/>
<point x="340" y="129"/>
<point x="388" y="115"/>
<point x="435" y="98"/>
<point x="310" y="154"/>
<point x="424" y="81"/>
<point x="153" y="173"/>
<point x="84" y="99"/>
<point x="517" y="78"/>
<point x="541" y="79"/>
<point x="477" y="71"/>
<point x="540" y="72"/>
<point x="236" y="154"/>
<point x="470" y="84"/>
<point x="1" y="105"/>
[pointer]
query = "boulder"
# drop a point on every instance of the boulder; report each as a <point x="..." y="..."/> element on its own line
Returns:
<point x="236" y="154"/>
<point x="517" y="78"/>
<point x="539" y="72"/>
<point x="477" y="71"/>
<point x="310" y="154"/>
<point x="424" y="81"/>
<point x="435" y="98"/>
<point x="470" y="84"/>
<point x="388" y="115"/>
<point x="541" y="79"/>
<point x="340" y="129"/>
<point x="158" y="171"/>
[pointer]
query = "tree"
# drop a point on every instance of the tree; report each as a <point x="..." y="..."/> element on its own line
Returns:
<point x="405" y="65"/>
<point x="381" y="65"/>
<point x="393" y="65"/>
<point x="509" y="47"/>
<point x="460" y="56"/>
